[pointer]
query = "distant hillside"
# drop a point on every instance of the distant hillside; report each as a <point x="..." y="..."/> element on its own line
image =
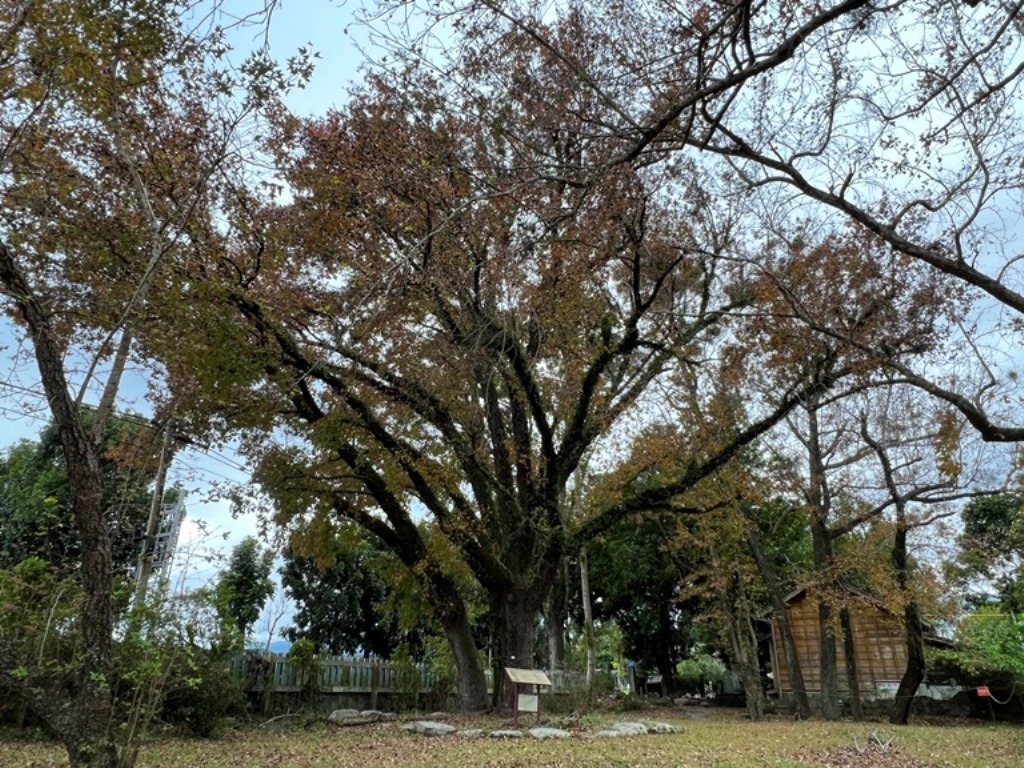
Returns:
<point x="277" y="646"/>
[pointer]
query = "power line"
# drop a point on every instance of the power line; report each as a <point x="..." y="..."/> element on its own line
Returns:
<point x="131" y="417"/>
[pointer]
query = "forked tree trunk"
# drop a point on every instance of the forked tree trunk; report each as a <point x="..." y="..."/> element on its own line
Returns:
<point x="916" y="666"/>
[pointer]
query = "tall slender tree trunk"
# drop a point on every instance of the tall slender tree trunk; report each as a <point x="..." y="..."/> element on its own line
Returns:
<point x="852" y="675"/>
<point x="555" y="615"/>
<point x="663" y="657"/>
<point x="916" y="665"/>
<point x="84" y="715"/>
<point x="588" y="619"/>
<point x="819" y="500"/>
<point x="796" y="675"/>
<point x="743" y="643"/>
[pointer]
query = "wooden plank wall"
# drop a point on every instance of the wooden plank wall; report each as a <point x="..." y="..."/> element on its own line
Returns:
<point x="878" y="639"/>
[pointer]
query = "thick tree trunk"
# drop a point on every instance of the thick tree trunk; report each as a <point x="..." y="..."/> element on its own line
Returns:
<point x="796" y="675"/>
<point x="852" y="677"/>
<point x="516" y="625"/>
<point x="472" y="682"/>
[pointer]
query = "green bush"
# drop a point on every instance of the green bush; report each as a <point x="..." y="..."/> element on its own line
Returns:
<point x="438" y="656"/>
<point x="692" y="674"/>
<point x="302" y="655"/>
<point x="204" y="694"/>
<point x="990" y="642"/>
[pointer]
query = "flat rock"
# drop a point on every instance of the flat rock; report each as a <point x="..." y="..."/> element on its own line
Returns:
<point x="662" y="728"/>
<point x="354" y="717"/>
<point x="429" y="728"/>
<point x="471" y="733"/>
<point x="630" y="728"/>
<point x="376" y="714"/>
<point x="437" y="716"/>
<point x="606" y="733"/>
<point x="549" y="733"/>
<point x="340" y="715"/>
<point x="506" y="733"/>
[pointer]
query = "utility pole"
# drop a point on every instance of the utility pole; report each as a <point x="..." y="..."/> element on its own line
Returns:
<point x="145" y="568"/>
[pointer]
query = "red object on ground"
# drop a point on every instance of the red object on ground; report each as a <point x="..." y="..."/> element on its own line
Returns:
<point x="983" y="691"/>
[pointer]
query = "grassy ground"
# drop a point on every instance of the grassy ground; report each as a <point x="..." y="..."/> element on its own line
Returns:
<point x="708" y="738"/>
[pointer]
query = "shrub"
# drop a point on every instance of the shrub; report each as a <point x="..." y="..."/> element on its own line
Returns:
<point x="204" y="693"/>
<point x="695" y="672"/>
<point x="990" y="644"/>
<point x="302" y="655"/>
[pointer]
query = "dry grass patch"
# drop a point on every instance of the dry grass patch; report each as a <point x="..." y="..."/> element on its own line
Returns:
<point x="725" y="740"/>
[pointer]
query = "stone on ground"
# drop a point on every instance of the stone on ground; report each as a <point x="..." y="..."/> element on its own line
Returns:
<point x="549" y="733"/>
<point x="662" y="728"/>
<point x="506" y="733"/>
<point x="630" y="728"/>
<point x="429" y="728"/>
<point x="340" y="715"/>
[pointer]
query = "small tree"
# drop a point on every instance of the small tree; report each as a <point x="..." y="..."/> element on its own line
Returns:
<point x="246" y="584"/>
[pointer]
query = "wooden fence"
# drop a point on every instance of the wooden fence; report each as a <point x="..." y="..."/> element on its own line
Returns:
<point x="336" y="674"/>
<point x="343" y="674"/>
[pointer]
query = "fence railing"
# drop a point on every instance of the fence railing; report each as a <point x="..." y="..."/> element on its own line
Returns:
<point x="344" y="674"/>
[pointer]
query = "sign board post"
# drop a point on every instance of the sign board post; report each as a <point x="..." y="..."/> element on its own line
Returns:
<point x="526" y="685"/>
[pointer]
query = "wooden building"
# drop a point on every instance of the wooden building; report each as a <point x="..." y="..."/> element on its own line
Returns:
<point x="879" y="643"/>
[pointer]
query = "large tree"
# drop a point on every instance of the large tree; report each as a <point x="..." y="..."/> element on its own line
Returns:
<point x="115" y="127"/>
<point x="439" y="324"/>
<point x="903" y="118"/>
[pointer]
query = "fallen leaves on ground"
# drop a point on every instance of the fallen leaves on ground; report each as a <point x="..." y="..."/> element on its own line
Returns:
<point x="861" y="757"/>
